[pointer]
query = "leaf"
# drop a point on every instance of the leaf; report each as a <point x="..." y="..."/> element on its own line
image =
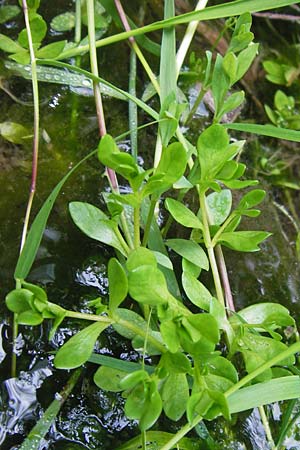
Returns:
<point x="163" y="260"/>
<point x="189" y="250"/>
<point x="63" y="22"/>
<point x="8" y="12"/>
<point x="182" y="214"/>
<point x="35" y="234"/>
<point x="157" y="439"/>
<point x="38" y="28"/>
<point x="220" y="84"/>
<point x="118" y="284"/>
<point x="13" y="132"/>
<point x="260" y="394"/>
<point x="243" y="241"/>
<point x="79" y="348"/>
<point x="147" y="285"/>
<point x="132" y="318"/>
<point x="141" y="257"/>
<point x="245" y="59"/>
<point x="168" y="330"/>
<point x="118" y="364"/>
<point x="30" y="317"/>
<point x="192" y="269"/>
<point x="196" y="291"/>
<point x="132" y="379"/>
<point x="108" y="379"/>
<point x="110" y="156"/>
<point x="95" y="224"/>
<point x="251" y="199"/>
<point x="175" y="362"/>
<point x="51" y="50"/>
<point x="265" y="130"/>
<point x="171" y="167"/>
<point x="8" y="45"/>
<point x="219" y="206"/>
<point x="175" y="395"/>
<point x="19" y="300"/>
<point x="231" y="103"/>
<point x="272" y="315"/>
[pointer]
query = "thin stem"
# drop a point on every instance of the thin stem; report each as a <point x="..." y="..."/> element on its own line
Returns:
<point x="135" y="46"/>
<point x="188" y="37"/>
<point x="210" y="250"/>
<point x="85" y="316"/>
<point x="225" y="279"/>
<point x="133" y="118"/>
<point x="136" y="221"/>
<point x="148" y="223"/>
<point x="137" y="330"/>
<point x="122" y="241"/>
<point x="266" y="426"/>
<point x="126" y="231"/>
<point x="144" y="440"/>
<point x="196" y="104"/>
<point x="77" y="39"/>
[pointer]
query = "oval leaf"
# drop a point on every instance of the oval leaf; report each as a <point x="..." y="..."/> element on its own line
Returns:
<point x="190" y="251"/>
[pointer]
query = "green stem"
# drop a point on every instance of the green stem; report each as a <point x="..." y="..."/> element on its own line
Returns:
<point x="122" y="240"/>
<point x="85" y="316"/>
<point x="126" y="231"/>
<point x="133" y="118"/>
<point x="188" y="37"/>
<point x="148" y="222"/>
<point x="75" y="98"/>
<point x="266" y="426"/>
<point x="195" y="105"/>
<point x="136" y="220"/>
<point x="139" y="331"/>
<point x="210" y="250"/>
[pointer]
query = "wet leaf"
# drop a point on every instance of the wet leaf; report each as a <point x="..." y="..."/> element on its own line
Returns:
<point x="8" y="45"/>
<point x="38" y="28"/>
<point x="272" y="315"/>
<point x="19" y="300"/>
<point x="51" y="50"/>
<point x="63" y="22"/>
<point x="79" y="348"/>
<point x="219" y="206"/>
<point x="8" y="12"/>
<point x="13" y="132"/>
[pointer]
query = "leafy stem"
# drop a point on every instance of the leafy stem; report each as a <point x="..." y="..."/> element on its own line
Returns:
<point x="137" y="211"/>
<point x="210" y="249"/>
<point x="139" y="331"/>
<point x="148" y="222"/>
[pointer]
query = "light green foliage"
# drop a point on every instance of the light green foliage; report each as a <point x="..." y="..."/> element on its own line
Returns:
<point x="8" y="12"/>
<point x="285" y="113"/>
<point x="14" y="132"/>
<point x="193" y="372"/>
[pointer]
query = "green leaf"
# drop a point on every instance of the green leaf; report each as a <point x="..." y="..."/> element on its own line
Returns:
<point x="229" y="65"/>
<point x="118" y="284"/>
<point x="182" y="214"/>
<point x="63" y="22"/>
<point x="144" y="404"/>
<point x="19" y="300"/>
<point x="132" y="318"/>
<point x="110" y="156"/>
<point x="8" y="12"/>
<point x="141" y="257"/>
<point x="175" y="362"/>
<point x="190" y="251"/>
<point x="214" y="150"/>
<point x="175" y="395"/>
<point x="95" y="224"/>
<point x="251" y="199"/>
<point x="157" y="439"/>
<point x="265" y="130"/>
<point x="245" y="59"/>
<point x="51" y="50"/>
<point x="163" y="260"/>
<point x="231" y="103"/>
<point x="38" y="28"/>
<point x="219" y="206"/>
<point x="29" y="317"/>
<point x="8" y="45"/>
<point x="220" y="84"/>
<point x="79" y="348"/>
<point x="147" y="285"/>
<point x="196" y="291"/>
<point x="108" y="379"/>
<point x="205" y="325"/>
<point x="272" y="315"/>
<point x="260" y="394"/>
<point x="168" y="330"/>
<point x="222" y="367"/>
<point x="243" y="241"/>
<point x="133" y="378"/>
<point x="13" y="132"/>
<point x="189" y="267"/>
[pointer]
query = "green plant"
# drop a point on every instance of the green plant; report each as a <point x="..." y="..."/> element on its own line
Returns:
<point x="192" y="331"/>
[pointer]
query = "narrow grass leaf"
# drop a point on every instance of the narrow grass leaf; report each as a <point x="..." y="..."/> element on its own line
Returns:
<point x="265" y="130"/>
<point x="275" y="390"/>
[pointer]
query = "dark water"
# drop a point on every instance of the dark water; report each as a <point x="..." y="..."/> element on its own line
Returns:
<point x="73" y="269"/>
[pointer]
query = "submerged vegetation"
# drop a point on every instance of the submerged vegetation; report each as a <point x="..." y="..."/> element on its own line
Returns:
<point x="165" y="221"/>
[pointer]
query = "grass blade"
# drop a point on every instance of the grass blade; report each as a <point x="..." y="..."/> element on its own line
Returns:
<point x="167" y="75"/>
<point x="265" y="130"/>
<point x="119" y="364"/>
<point x="234" y="8"/>
<point x="34" y="438"/>
<point x="275" y="390"/>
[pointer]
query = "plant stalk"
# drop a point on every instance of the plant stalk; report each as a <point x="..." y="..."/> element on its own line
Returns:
<point x="148" y="223"/>
<point x="266" y="426"/>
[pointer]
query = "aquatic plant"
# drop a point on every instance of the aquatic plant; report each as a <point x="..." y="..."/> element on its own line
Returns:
<point x="207" y="359"/>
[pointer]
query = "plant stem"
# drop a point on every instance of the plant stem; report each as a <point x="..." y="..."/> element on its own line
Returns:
<point x="148" y="223"/>
<point x="122" y="240"/>
<point x="188" y="37"/>
<point x="136" y="222"/>
<point x="210" y="249"/>
<point x="135" y="46"/>
<point x="133" y="118"/>
<point x="35" y="154"/>
<point x="85" y="316"/>
<point x="97" y="93"/>
<point x="225" y="279"/>
<point x="266" y="426"/>
<point x="77" y="39"/>
<point x="137" y="330"/>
